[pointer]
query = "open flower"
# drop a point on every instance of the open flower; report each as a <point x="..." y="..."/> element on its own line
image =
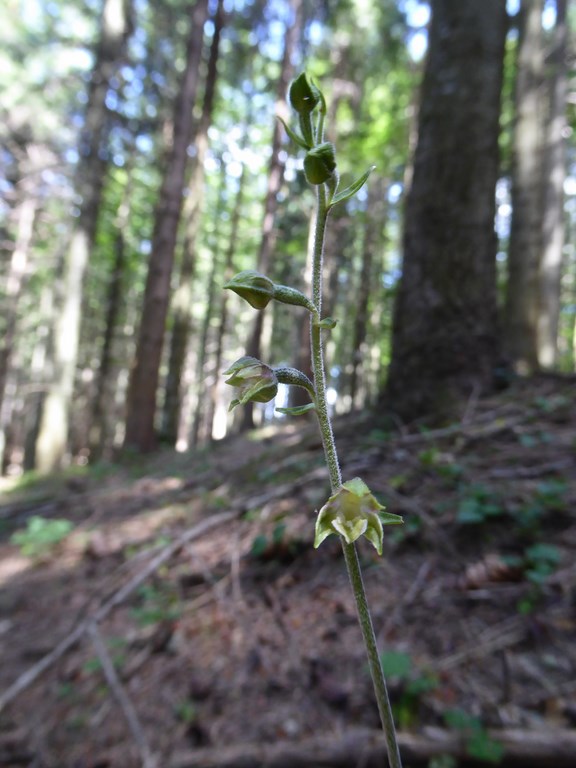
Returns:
<point x="352" y="512"/>
<point x="255" y="381"/>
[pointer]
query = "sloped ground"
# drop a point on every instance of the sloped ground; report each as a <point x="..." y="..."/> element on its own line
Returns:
<point x="241" y="634"/>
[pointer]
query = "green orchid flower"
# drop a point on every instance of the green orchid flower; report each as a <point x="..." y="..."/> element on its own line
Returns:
<point x="352" y="512"/>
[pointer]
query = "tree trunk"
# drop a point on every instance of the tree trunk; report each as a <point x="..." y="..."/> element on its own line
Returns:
<point x="228" y="273"/>
<point x="182" y="302"/>
<point x="553" y="195"/>
<point x="445" y="341"/>
<point x="116" y="26"/>
<point x="522" y="296"/>
<point x="100" y="420"/>
<point x="215" y="275"/>
<point x="275" y="175"/>
<point x="141" y="400"/>
<point x="375" y="218"/>
<point x="16" y="275"/>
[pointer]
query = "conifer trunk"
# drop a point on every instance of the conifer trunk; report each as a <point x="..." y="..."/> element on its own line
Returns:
<point x="50" y="448"/>
<point x="445" y="340"/>
<point x="553" y="229"/>
<point x="142" y="390"/>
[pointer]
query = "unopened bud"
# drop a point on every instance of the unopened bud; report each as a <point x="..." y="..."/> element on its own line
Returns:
<point x="320" y="163"/>
<point x="303" y="96"/>
<point x="256" y="289"/>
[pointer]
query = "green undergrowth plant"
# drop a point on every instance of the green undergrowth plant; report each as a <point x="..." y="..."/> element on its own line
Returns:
<point x="41" y="536"/>
<point x="351" y="511"/>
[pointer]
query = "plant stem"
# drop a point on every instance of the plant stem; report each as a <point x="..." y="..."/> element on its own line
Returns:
<point x="316" y="343"/>
<point x="376" y="671"/>
<point x="350" y="553"/>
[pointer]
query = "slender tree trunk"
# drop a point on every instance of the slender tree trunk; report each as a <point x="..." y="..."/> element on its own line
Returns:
<point x="203" y="352"/>
<point x="100" y="421"/>
<point x="553" y="228"/>
<point x="116" y="26"/>
<point x="182" y="300"/>
<point x="275" y="176"/>
<point x="375" y="217"/>
<point x="141" y="401"/>
<point x="522" y="298"/>
<point x="445" y="339"/>
<point x="16" y="276"/>
<point x="221" y="328"/>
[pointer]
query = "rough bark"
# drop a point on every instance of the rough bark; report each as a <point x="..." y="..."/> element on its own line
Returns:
<point x="553" y="229"/>
<point x="116" y="26"/>
<point x="445" y="340"/>
<point x="141" y="400"/>
<point x="275" y="176"/>
<point x="182" y="302"/>
<point x="522" y="296"/>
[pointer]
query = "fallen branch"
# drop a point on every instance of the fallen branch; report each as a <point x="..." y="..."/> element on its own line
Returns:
<point x="148" y="760"/>
<point x="33" y="673"/>
<point x="542" y="748"/>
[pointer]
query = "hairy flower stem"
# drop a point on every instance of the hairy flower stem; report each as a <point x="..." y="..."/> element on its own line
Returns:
<point x="376" y="671"/>
<point x="350" y="553"/>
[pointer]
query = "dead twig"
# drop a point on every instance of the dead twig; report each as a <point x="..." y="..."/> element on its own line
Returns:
<point x="118" y="690"/>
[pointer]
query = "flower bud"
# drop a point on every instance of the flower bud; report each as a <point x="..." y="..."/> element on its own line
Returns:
<point x="254" y="380"/>
<point x="303" y="96"/>
<point x="256" y="289"/>
<point x="352" y="512"/>
<point x="320" y="163"/>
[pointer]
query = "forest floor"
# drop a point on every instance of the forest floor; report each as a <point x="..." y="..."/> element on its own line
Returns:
<point x="187" y="621"/>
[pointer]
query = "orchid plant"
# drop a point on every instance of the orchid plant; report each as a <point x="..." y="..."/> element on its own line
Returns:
<point x="352" y="510"/>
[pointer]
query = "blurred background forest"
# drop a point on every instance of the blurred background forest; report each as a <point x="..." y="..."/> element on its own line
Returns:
<point x="162" y="603"/>
<point x="142" y="165"/>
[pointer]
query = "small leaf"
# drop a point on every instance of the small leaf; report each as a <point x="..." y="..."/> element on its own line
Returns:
<point x="297" y="410"/>
<point x="350" y="191"/>
<point x="298" y="140"/>
<point x="327" y="322"/>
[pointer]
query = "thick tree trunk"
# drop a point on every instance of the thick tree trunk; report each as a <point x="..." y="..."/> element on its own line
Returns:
<point x="116" y="26"/>
<point x="522" y="297"/>
<point x="553" y="195"/>
<point x="182" y="302"/>
<point x="141" y="401"/>
<point x="445" y="340"/>
<point x="275" y="176"/>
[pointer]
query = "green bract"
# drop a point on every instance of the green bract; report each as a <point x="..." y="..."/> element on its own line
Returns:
<point x="303" y="95"/>
<point x="353" y="511"/>
<point x="254" y="380"/>
<point x="257" y="289"/>
<point x="320" y="163"/>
